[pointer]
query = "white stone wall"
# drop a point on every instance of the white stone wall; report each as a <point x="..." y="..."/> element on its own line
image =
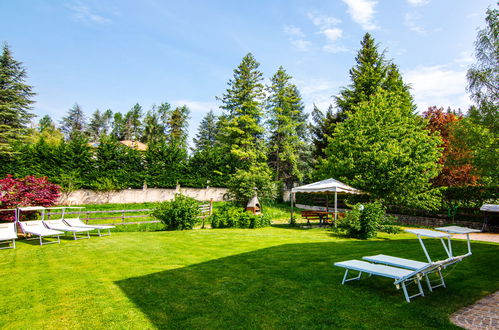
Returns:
<point x="86" y="196"/>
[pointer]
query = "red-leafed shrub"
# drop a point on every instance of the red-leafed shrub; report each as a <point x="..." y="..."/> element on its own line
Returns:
<point x="27" y="191"/>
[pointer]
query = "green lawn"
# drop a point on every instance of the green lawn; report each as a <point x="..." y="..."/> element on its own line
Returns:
<point x="248" y="279"/>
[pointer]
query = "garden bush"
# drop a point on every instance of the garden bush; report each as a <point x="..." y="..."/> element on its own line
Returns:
<point x="364" y="221"/>
<point x="234" y="216"/>
<point x="27" y="191"/>
<point x="178" y="214"/>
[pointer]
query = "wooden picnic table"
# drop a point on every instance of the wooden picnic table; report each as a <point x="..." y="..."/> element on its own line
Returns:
<point x="322" y="216"/>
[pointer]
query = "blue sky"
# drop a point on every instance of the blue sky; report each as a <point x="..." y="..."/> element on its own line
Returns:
<point x="113" y="54"/>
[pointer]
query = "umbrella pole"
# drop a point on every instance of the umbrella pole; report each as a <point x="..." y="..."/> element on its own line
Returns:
<point x="335" y="207"/>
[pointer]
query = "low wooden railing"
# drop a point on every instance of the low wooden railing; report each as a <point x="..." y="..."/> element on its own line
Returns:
<point x="85" y="216"/>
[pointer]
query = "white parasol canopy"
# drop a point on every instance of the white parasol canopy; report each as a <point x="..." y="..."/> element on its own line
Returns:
<point x="325" y="187"/>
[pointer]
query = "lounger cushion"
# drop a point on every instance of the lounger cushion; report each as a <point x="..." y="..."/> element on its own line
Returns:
<point x="397" y="262"/>
<point x="59" y="225"/>
<point x="375" y="269"/>
<point x="7" y="232"/>
<point x="78" y="223"/>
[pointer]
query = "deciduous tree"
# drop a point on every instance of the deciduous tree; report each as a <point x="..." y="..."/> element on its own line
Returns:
<point x="483" y="76"/>
<point x="456" y="167"/>
<point x="385" y="149"/>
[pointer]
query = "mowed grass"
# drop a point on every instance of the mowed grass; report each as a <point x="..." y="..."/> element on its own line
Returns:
<point x="227" y="278"/>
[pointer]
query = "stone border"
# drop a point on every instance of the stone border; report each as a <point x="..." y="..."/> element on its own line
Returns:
<point x="484" y="314"/>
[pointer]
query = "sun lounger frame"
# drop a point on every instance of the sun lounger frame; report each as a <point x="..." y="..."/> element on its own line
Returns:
<point x="400" y="281"/>
<point x="13" y="239"/>
<point x="40" y="237"/>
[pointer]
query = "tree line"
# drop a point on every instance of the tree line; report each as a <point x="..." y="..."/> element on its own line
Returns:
<point x="371" y="137"/>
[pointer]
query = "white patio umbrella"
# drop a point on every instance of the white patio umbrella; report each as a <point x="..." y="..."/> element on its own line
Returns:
<point x="328" y="186"/>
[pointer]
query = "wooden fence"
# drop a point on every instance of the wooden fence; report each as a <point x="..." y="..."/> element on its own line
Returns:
<point x="120" y="217"/>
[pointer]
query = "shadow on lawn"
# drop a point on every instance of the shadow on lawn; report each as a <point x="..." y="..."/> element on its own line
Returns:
<point x="296" y="286"/>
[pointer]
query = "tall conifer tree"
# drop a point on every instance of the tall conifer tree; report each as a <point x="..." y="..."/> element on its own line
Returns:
<point x="74" y="123"/>
<point x="207" y="132"/>
<point x="287" y="124"/>
<point x="242" y="133"/>
<point x="15" y="102"/>
<point x="367" y="75"/>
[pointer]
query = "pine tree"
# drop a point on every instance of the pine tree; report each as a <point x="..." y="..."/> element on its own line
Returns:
<point x="15" y="102"/>
<point x="96" y="126"/>
<point x="207" y="132"/>
<point x="242" y="134"/>
<point x="45" y="123"/>
<point x="73" y="123"/>
<point x="154" y="130"/>
<point x="118" y="127"/>
<point x="177" y="126"/>
<point x="133" y="125"/>
<point x="321" y="130"/>
<point x="287" y="124"/>
<point x="368" y="74"/>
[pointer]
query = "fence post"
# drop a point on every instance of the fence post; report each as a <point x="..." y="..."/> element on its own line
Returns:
<point x="86" y="220"/>
<point x="211" y="205"/>
<point x="123" y="216"/>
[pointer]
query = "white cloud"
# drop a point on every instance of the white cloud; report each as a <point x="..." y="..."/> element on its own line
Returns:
<point x="82" y="13"/>
<point x="410" y="20"/>
<point x="326" y="27"/>
<point x="362" y="12"/>
<point x="418" y="2"/>
<point x="196" y="106"/>
<point x="322" y="21"/>
<point x="333" y="34"/>
<point x="297" y="38"/>
<point x="318" y="91"/>
<point x="301" y="45"/>
<point x="293" y="31"/>
<point x="438" y="85"/>
<point x="332" y="48"/>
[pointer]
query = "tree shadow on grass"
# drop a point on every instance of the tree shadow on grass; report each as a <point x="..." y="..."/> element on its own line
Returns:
<point x="296" y="286"/>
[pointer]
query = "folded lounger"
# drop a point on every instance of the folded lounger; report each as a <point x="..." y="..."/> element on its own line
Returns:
<point x="415" y="265"/>
<point x="429" y="268"/>
<point x="77" y="223"/>
<point x="8" y="233"/>
<point x="60" y="225"/>
<point x="401" y="276"/>
<point x="37" y="228"/>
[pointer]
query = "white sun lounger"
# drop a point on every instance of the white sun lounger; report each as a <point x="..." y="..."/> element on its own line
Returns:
<point x="37" y="228"/>
<point x="60" y="225"/>
<point x="401" y="276"/>
<point x="410" y="264"/>
<point x="8" y="233"/>
<point x="77" y="223"/>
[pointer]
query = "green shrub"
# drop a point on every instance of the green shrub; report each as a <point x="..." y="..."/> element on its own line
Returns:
<point x="178" y="214"/>
<point x="364" y="221"/>
<point x="233" y="216"/>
